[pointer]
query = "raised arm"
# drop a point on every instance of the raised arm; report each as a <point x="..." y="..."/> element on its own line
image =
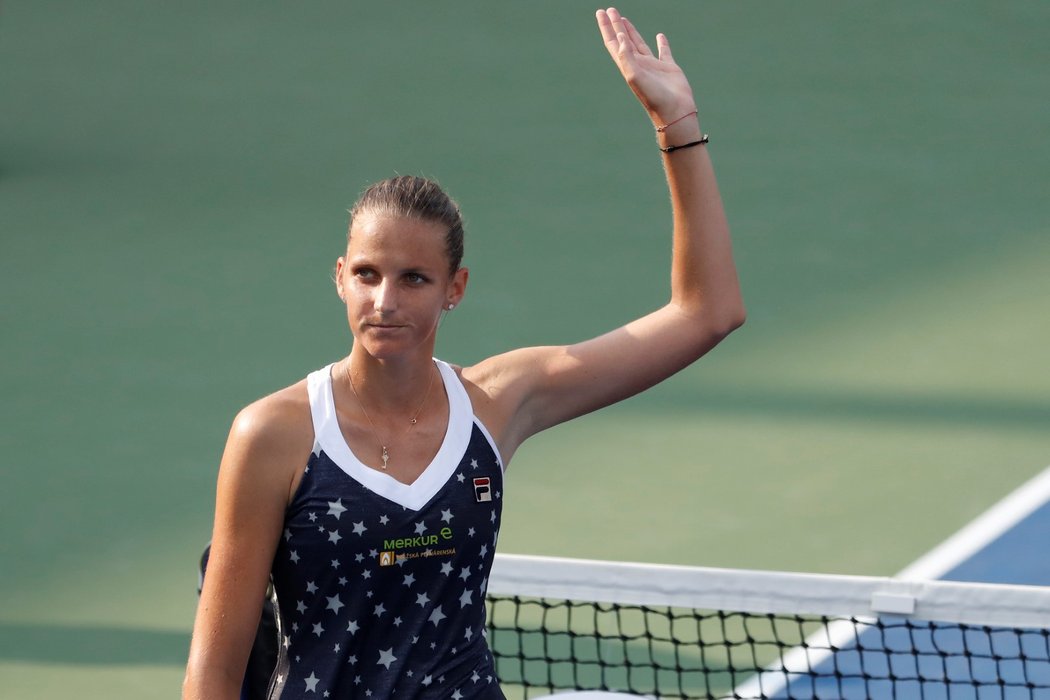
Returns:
<point x="534" y="388"/>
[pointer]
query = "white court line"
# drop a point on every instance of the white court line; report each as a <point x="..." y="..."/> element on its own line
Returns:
<point x="961" y="546"/>
<point x="981" y="532"/>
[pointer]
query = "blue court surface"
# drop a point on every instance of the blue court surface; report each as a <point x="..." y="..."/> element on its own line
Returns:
<point x="895" y="658"/>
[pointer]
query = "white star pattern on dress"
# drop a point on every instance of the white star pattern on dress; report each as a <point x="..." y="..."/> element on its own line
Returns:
<point x="465" y="599"/>
<point x="311" y="587"/>
<point x="469" y="634"/>
<point x="318" y="630"/>
<point x="287" y="534"/>
<point x="493" y="518"/>
<point x="334" y="537"/>
<point x="475" y="677"/>
<point x="301" y="607"/>
<point x="359" y="557"/>
<point x="353" y="627"/>
<point x="386" y="658"/>
<point x="422" y="599"/>
<point x="373" y="553"/>
<point x="446" y="568"/>
<point x="336" y="508"/>
<point x="383" y="520"/>
<point x="457" y="695"/>
<point x="473" y="464"/>
<point x="420" y="528"/>
<point x="334" y="604"/>
<point x="436" y="616"/>
<point x="446" y="516"/>
<point x="460" y="478"/>
<point x="359" y="528"/>
<point x="379" y="610"/>
<point x="311" y="683"/>
<point x="470" y="532"/>
<point x="352" y="659"/>
<point x="335" y="563"/>
<point x="484" y="550"/>
<point x="428" y="679"/>
<point x="464" y="573"/>
<point x="409" y="579"/>
<point x="294" y="557"/>
<point x="366" y="574"/>
<point x="397" y="622"/>
<point x="313" y="517"/>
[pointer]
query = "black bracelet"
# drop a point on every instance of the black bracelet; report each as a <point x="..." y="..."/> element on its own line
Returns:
<point x="703" y="139"/>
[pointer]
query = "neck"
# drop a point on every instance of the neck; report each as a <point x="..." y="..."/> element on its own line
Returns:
<point x="390" y="385"/>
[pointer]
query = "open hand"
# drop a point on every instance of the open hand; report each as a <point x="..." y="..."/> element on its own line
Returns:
<point x="656" y="80"/>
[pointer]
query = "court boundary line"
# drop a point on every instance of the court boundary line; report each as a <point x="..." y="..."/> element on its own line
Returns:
<point x="982" y="530"/>
<point x="967" y="541"/>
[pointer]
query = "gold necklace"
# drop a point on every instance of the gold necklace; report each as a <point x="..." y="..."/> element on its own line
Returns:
<point x="375" y="431"/>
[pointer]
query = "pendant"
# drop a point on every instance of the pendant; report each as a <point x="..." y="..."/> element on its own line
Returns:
<point x="386" y="457"/>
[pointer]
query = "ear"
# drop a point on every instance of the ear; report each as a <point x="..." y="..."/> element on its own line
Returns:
<point x="457" y="286"/>
<point x="340" y="263"/>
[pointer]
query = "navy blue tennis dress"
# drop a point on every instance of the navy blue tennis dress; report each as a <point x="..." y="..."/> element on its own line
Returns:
<point x="381" y="585"/>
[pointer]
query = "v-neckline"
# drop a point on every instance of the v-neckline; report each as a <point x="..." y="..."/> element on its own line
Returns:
<point x="329" y="437"/>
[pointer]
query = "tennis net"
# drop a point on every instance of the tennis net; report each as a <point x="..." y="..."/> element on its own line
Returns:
<point x="691" y="632"/>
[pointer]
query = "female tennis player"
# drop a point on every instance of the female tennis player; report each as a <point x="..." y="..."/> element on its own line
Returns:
<point x="371" y="491"/>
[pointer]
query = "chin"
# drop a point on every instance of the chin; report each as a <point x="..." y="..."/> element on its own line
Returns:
<point x="387" y="350"/>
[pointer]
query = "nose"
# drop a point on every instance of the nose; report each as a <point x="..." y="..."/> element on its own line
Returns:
<point x="385" y="300"/>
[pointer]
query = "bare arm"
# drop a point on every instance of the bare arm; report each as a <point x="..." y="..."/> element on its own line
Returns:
<point x="266" y="445"/>
<point x="535" y="388"/>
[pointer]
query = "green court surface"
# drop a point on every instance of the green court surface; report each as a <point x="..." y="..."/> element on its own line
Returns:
<point x="173" y="187"/>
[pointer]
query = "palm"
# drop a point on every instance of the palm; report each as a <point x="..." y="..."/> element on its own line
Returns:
<point x="655" y="79"/>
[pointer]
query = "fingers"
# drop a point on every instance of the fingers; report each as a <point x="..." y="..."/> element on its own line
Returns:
<point x="605" y="26"/>
<point x="619" y="33"/>
<point x="639" y="43"/>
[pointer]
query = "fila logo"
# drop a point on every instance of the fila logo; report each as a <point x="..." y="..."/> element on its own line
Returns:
<point x="482" y="489"/>
<point x="386" y="559"/>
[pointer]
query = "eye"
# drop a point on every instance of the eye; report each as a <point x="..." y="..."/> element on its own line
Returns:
<point x="415" y="278"/>
<point x="365" y="273"/>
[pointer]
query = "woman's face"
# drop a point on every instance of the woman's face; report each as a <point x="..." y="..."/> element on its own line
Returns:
<point x="395" y="282"/>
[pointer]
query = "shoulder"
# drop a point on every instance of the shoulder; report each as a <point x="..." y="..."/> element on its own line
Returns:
<point x="283" y="415"/>
<point x="271" y="438"/>
<point x="499" y="387"/>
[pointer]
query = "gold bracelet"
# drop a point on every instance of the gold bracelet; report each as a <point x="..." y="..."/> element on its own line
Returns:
<point x="663" y="127"/>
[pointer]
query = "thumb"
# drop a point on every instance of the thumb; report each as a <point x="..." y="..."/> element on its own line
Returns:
<point x="663" y="47"/>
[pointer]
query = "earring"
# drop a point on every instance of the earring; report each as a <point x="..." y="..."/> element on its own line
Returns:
<point x="451" y="306"/>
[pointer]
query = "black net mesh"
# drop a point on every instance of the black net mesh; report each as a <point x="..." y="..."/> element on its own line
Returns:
<point x="545" y="646"/>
